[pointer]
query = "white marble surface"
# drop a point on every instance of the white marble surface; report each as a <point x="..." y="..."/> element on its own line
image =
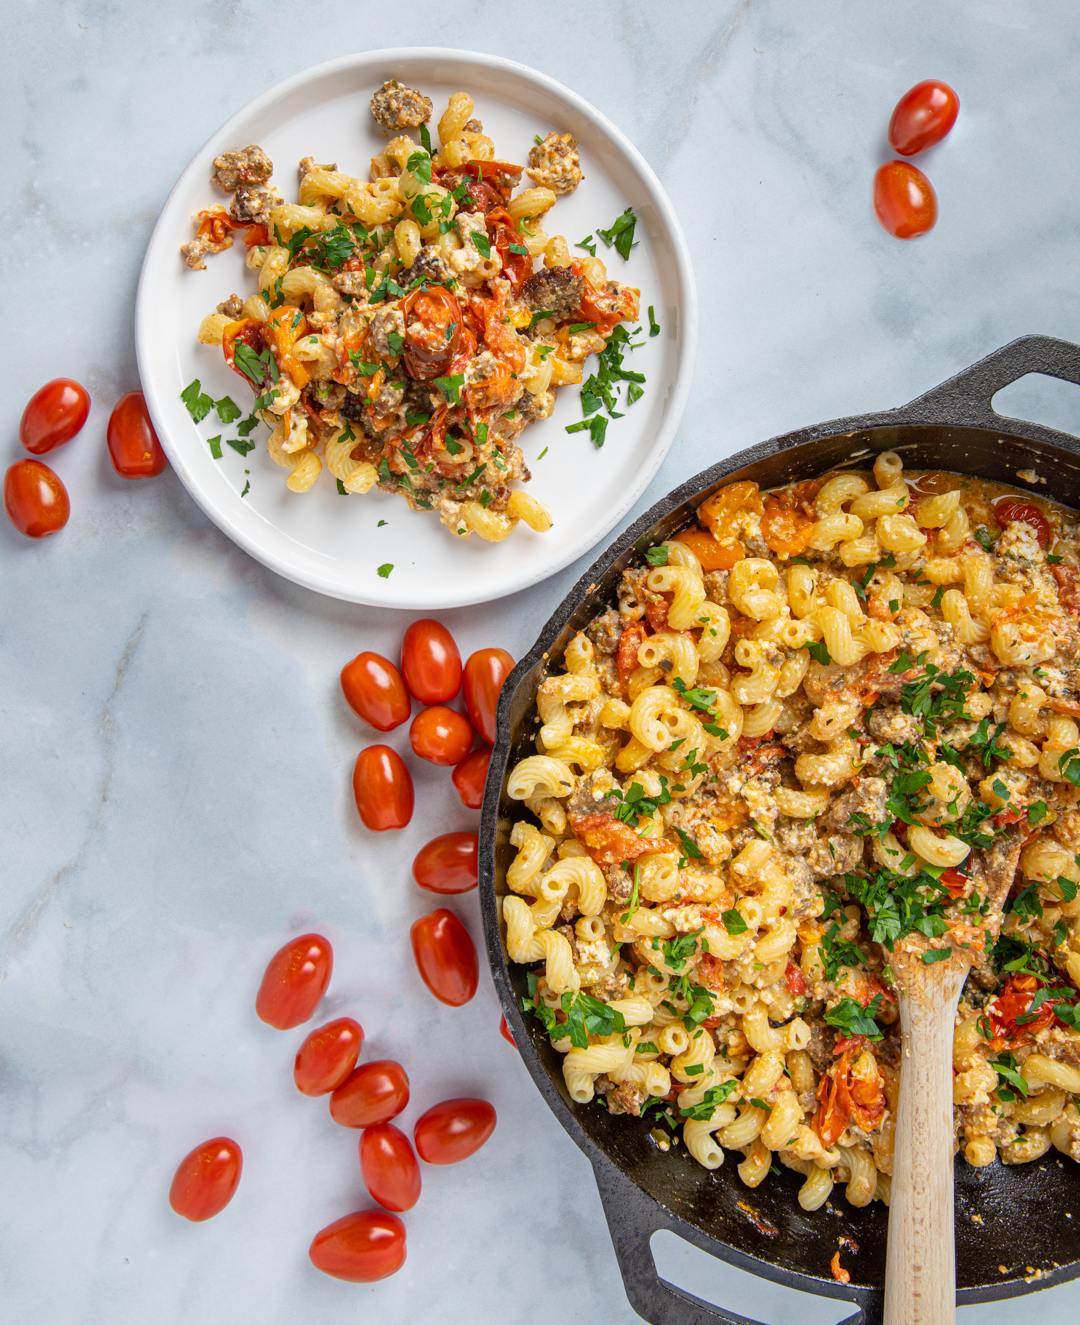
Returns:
<point x="176" y="773"/>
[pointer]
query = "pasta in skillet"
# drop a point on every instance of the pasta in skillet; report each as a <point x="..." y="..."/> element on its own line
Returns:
<point x="400" y="337"/>
<point x="825" y="721"/>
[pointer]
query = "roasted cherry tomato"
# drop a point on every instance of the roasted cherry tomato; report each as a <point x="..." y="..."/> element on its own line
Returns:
<point x="206" y="1179"/>
<point x="389" y="1168"/>
<point x="712" y="554"/>
<point x="295" y="981"/>
<point x="504" y="1031"/>
<point x="904" y="201"/>
<point x="470" y="775"/>
<point x="504" y="236"/>
<point x="432" y="331"/>
<point x="383" y="788"/>
<point x="923" y="116"/>
<point x="1011" y="509"/>
<point x="445" y="957"/>
<point x="374" y="690"/>
<point x="484" y="675"/>
<point x="133" y="444"/>
<point x="327" y="1056"/>
<point x="360" y="1248"/>
<point x="453" y="1130"/>
<point x="785" y="531"/>
<point x="430" y="662"/>
<point x="447" y="864"/>
<point x="35" y="499"/>
<point x="441" y="736"/>
<point x="372" y="1094"/>
<point x="54" y="415"/>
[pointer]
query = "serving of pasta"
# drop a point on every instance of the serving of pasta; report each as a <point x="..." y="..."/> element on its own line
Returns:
<point x="400" y="337"/>
<point x="826" y="721"/>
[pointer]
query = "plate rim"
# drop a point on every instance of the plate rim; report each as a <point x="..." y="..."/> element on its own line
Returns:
<point x="684" y="369"/>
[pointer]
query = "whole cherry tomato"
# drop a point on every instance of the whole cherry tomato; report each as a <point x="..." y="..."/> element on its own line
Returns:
<point x="448" y="864"/>
<point x="389" y="1168"/>
<point x="484" y="675"/>
<point x="923" y="116"/>
<point x="360" y="1248"/>
<point x="294" y="982"/>
<point x="372" y="1094"/>
<point x="1010" y="509"/>
<point x="470" y="775"/>
<point x="445" y="957"/>
<point x="904" y="201"/>
<point x="206" y="1179"/>
<point x="383" y="788"/>
<point x="431" y="662"/>
<point x="54" y="415"/>
<point x="375" y="691"/>
<point x="453" y="1130"/>
<point x="35" y="499"/>
<point x="441" y="736"/>
<point x="133" y="444"/>
<point x="504" y="1031"/>
<point x="327" y="1056"/>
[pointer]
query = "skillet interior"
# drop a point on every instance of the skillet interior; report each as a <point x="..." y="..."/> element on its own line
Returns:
<point x="1023" y="1211"/>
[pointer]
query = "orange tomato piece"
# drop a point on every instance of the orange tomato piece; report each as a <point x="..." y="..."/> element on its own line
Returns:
<point x="284" y="327"/>
<point x="609" y="841"/>
<point x="720" y="510"/>
<point x="712" y="554"/>
<point x="786" y="532"/>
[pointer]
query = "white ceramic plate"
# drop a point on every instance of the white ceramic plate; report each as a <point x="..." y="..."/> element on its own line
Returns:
<point x="335" y="544"/>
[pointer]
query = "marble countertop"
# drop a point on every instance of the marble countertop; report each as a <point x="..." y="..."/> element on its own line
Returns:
<point x="176" y="780"/>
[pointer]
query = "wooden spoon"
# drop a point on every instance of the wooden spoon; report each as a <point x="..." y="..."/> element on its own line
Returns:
<point x="920" y="1269"/>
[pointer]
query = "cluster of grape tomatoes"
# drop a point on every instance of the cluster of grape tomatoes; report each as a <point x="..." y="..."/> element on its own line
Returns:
<point x="35" y="499"/>
<point x="381" y="694"/>
<point x="367" y="1244"/>
<point x="904" y="200"/>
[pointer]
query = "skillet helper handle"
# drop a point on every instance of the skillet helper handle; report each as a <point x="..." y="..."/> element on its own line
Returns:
<point x="964" y="400"/>
<point x="920" y="1270"/>
<point x="632" y="1220"/>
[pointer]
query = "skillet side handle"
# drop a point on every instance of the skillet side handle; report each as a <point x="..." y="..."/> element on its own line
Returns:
<point x="632" y="1220"/>
<point x="964" y="400"/>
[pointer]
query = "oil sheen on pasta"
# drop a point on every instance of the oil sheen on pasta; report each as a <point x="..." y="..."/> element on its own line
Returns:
<point x="822" y="721"/>
<point x="400" y="337"/>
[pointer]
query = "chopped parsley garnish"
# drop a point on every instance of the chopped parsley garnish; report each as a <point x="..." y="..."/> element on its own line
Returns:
<point x="621" y="233"/>
<point x="380" y="524"/>
<point x="248" y="425"/>
<point x="473" y="476"/>
<point x="596" y="427"/>
<point x="451" y="387"/>
<point x="657" y="556"/>
<point x="341" y="489"/>
<point x="575" y="327"/>
<point x="539" y="316"/>
<point x="734" y="922"/>
<point x="689" y="846"/>
<point x="520" y="250"/>
<point x="633" y="803"/>
<point x="214" y="443"/>
<point x="985" y="742"/>
<point x="227" y="410"/>
<point x="679" y="950"/>
<point x="385" y="569"/>
<point x="984" y="538"/>
<point x="932" y="955"/>
<point x="252" y="365"/>
<point x="819" y="651"/>
<point x="628" y="914"/>
<point x="699" y="698"/>
<point x="587" y="244"/>
<point x="198" y="403"/>
<point x="710" y="1101"/>
<point x="483" y="244"/>
<point x="654" y="326"/>
<point x="425" y="139"/>
<point x="1008" y="1077"/>
<point x="585" y="1016"/>
<point x="454" y="446"/>
<point x="395" y="340"/>
<point x="419" y="165"/>
<point x="241" y="446"/>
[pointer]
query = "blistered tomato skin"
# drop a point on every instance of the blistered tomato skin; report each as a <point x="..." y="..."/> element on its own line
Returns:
<point x="294" y="982"/>
<point x="445" y="957"/>
<point x="133" y="444"/>
<point x="35" y="500"/>
<point x="373" y="1093"/>
<point x="360" y="1248"/>
<point x="504" y="1031"/>
<point x="53" y="415"/>
<point x="470" y="775"/>
<point x="383" y="789"/>
<point x="430" y="662"/>
<point x="1010" y="508"/>
<point x="206" y="1179"/>
<point x="441" y="736"/>
<point x="904" y="201"/>
<point x="389" y="1168"/>
<point x="448" y="864"/>
<point x="483" y="677"/>
<point x="453" y="1130"/>
<point x="923" y="116"/>
<point x="374" y="690"/>
<point x="327" y="1056"/>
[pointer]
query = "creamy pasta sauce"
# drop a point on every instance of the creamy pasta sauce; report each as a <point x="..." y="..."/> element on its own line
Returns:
<point x="827" y="720"/>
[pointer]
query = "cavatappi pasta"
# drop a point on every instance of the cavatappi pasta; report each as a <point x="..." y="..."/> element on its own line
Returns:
<point x="830" y="718"/>
<point x="399" y="337"/>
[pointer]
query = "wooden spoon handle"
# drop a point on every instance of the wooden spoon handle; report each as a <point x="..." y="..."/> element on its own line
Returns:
<point x="920" y="1278"/>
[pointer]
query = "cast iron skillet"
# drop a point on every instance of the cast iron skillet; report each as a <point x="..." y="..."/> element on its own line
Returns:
<point x="1022" y="1210"/>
